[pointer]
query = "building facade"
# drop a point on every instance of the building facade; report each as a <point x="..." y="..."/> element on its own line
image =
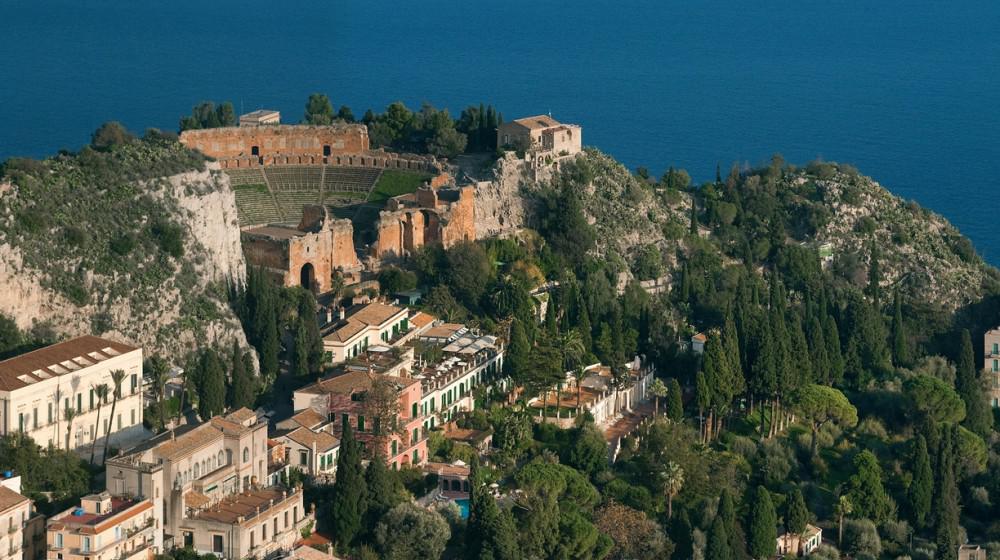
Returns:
<point x="22" y="530"/>
<point x="363" y="326"/>
<point x="261" y="117"/>
<point x="541" y="134"/>
<point x="103" y="527"/>
<point x="991" y="364"/>
<point x="37" y="388"/>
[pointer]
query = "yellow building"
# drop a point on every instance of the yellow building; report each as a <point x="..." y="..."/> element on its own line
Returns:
<point x="104" y="528"/>
<point x="37" y="388"/>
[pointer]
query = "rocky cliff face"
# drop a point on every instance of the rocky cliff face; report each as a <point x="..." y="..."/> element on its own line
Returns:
<point x="919" y="251"/>
<point x="101" y="262"/>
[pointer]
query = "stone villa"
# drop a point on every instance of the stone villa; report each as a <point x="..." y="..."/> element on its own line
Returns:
<point x="541" y="135"/>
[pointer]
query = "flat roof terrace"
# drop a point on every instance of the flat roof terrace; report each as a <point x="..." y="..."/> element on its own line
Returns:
<point x="245" y="506"/>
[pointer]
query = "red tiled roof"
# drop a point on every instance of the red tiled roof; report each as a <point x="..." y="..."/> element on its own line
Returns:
<point x="58" y="359"/>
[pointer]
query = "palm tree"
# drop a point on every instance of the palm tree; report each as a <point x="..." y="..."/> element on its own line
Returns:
<point x="571" y="348"/>
<point x="101" y="390"/>
<point x="117" y="376"/>
<point x="658" y="390"/>
<point x="672" y="480"/>
<point x="69" y="414"/>
<point x="160" y="376"/>
<point x="843" y="507"/>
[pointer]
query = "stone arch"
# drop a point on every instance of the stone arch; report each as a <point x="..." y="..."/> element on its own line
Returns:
<point x="307" y="277"/>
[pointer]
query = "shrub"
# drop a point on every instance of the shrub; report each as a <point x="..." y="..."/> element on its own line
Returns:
<point x="861" y="538"/>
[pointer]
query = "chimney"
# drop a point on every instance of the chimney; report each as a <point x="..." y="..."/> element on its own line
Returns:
<point x="341" y="313"/>
<point x="329" y="314"/>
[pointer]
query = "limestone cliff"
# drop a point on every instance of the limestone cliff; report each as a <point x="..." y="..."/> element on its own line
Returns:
<point x="100" y="244"/>
<point x="847" y="213"/>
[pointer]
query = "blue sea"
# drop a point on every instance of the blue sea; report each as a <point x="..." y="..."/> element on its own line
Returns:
<point x="908" y="91"/>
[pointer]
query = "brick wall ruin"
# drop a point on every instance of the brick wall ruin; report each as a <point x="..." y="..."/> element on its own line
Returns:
<point x="433" y="214"/>
<point x="320" y="242"/>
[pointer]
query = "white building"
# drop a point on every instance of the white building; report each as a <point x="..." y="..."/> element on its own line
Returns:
<point x="38" y="387"/>
<point x="792" y="545"/>
<point x="21" y="528"/>
<point x="363" y="326"/>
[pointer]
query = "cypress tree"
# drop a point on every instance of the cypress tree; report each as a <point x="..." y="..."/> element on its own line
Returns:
<point x="694" y="215"/>
<point x="946" y="514"/>
<point x="719" y="547"/>
<point x="763" y="525"/>
<point x="313" y="340"/>
<point x="242" y="387"/>
<point x="300" y="350"/>
<point x="800" y="352"/>
<point x="818" y="352"/>
<point x="490" y="534"/>
<point x="921" y="489"/>
<point x="978" y="417"/>
<point x="796" y="513"/>
<point x="269" y="345"/>
<point x="900" y="351"/>
<point x="518" y="362"/>
<point x="727" y="512"/>
<point x="211" y="386"/>
<point x="383" y="491"/>
<point x="348" y="501"/>
<point x="702" y="394"/>
<point x="874" y="289"/>
<point x="831" y="335"/>
<point x="675" y="403"/>
<point x="679" y="532"/>
<point x="867" y="493"/>
<point x="586" y="330"/>
<point x="731" y="351"/>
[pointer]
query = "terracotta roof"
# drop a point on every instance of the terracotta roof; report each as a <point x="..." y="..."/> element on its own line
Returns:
<point x="196" y="500"/>
<point x="536" y="122"/>
<point x="309" y="553"/>
<point x="195" y="439"/>
<point x="10" y="499"/>
<point x="700" y="337"/>
<point x="351" y="382"/>
<point x="446" y="330"/>
<point x="344" y="332"/>
<point x="245" y="505"/>
<point x="421" y="319"/>
<point x="240" y="416"/>
<point x="307" y="437"/>
<point x="451" y="469"/>
<point x="309" y="418"/>
<point x="58" y="359"/>
<point x="463" y="434"/>
<point x="376" y="313"/>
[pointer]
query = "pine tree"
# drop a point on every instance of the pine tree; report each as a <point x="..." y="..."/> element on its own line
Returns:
<point x="349" y="499"/>
<point x="718" y="546"/>
<point x="211" y="386"/>
<point x="946" y="512"/>
<point x="763" y="525"/>
<point x="900" y="350"/>
<point x="921" y="489"/>
<point x="978" y="417"/>
<point x="675" y="403"/>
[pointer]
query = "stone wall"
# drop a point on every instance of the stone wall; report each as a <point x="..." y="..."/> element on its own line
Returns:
<point x="279" y="141"/>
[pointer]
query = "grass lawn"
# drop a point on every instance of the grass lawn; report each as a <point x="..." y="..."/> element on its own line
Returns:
<point x="394" y="183"/>
<point x="255" y="188"/>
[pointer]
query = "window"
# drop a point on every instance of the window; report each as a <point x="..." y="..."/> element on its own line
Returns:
<point x="197" y="471"/>
<point x="413" y="410"/>
<point x="286" y="519"/>
<point x="263" y="531"/>
<point x="303" y="457"/>
<point x="345" y="420"/>
<point x="416" y="435"/>
<point x="996" y="365"/>
<point x="361" y="422"/>
<point x="91" y="399"/>
<point x="135" y="382"/>
<point x="996" y="348"/>
<point x="50" y="413"/>
<point x="59" y="542"/>
<point x="20" y="421"/>
<point x="274" y="530"/>
<point x="86" y="544"/>
<point x="295" y="514"/>
<point x="79" y="402"/>
<point x="216" y="543"/>
<point x="246" y="454"/>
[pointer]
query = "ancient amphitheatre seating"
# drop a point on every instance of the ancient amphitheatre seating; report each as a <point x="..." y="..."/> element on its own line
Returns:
<point x="277" y="194"/>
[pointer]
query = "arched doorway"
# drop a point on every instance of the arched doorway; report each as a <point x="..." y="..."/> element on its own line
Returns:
<point x="307" y="277"/>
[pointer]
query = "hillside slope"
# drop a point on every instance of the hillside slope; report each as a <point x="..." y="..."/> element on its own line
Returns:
<point x="141" y="244"/>
<point x="822" y="203"/>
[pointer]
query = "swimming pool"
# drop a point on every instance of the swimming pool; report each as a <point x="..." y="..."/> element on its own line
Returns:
<point x="463" y="507"/>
